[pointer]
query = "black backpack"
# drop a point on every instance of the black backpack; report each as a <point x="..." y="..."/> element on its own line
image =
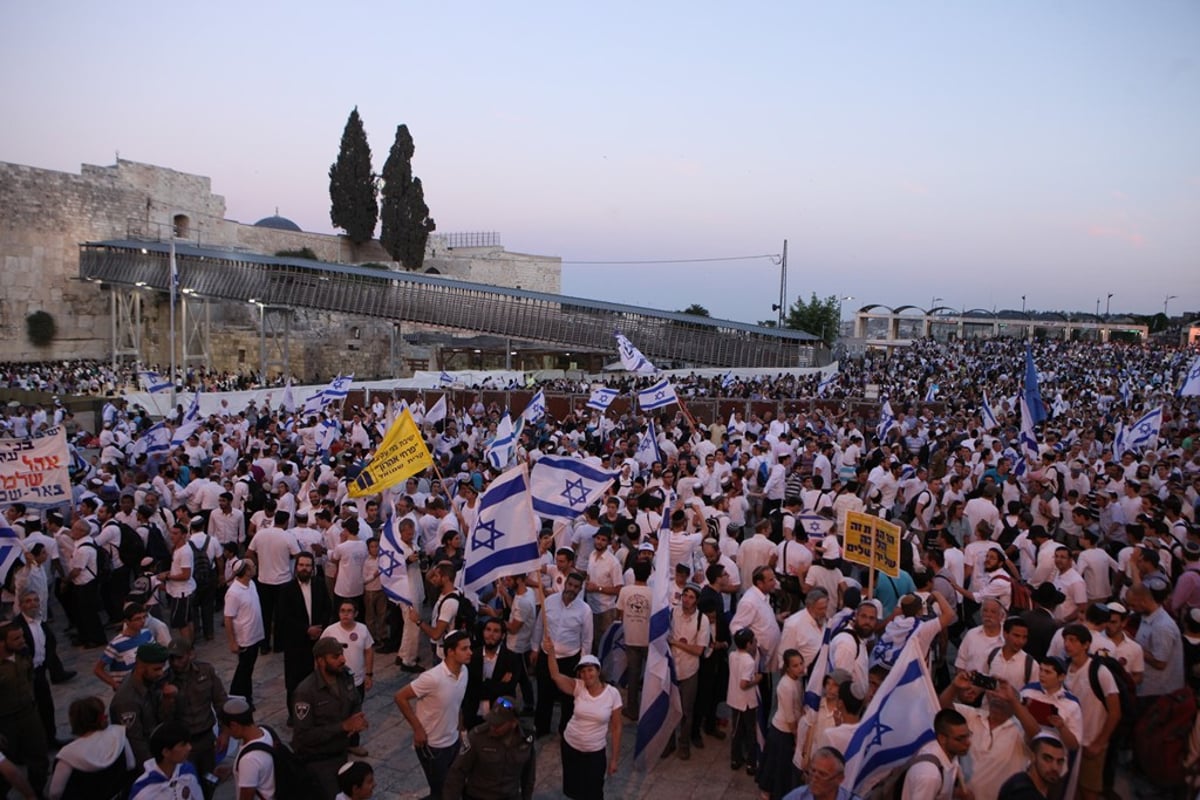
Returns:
<point x="1028" y="665"/>
<point x="292" y="776"/>
<point x="104" y="565"/>
<point x="130" y="548"/>
<point x="466" y="616"/>
<point x="202" y="571"/>
<point x="1126" y="688"/>
<point x="157" y="547"/>
<point x="910" y="508"/>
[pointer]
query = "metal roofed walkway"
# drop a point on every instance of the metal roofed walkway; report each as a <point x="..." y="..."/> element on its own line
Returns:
<point x="443" y="302"/>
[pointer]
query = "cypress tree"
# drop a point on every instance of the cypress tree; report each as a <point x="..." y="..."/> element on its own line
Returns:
<point x="406" y="220"/>
<point x="352" y="190"/>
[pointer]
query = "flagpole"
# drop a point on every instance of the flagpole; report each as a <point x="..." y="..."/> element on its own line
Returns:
<point x="172" y="279"/>
<point x="871" y="569"/>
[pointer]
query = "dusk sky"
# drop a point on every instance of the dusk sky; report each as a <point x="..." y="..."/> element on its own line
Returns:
<point x="975" y="151"/>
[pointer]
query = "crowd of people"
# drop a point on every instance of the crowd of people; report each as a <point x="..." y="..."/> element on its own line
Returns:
<point x="1055" y="601"/>
<point x="101" y="378"/>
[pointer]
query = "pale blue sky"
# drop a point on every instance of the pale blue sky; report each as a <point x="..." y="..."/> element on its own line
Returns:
<point x="971" y="151"/>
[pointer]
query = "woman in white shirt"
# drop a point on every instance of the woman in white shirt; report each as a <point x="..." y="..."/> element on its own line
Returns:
<point x="596" y="714"/>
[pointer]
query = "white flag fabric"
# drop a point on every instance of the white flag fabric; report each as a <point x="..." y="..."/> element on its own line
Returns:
<point x="339" y="387"/>
<point x="659" y="395"/>
<point x="193" y="412"/>
<point x="563" y="486"/>
<point x="886" y="420"/>
<point x="1191" y="382"/>
<point x="183" y="432"/>
<point x="313" y="404"/>
<point x="1143" y="434"/>
<point x="661" y="708"/>
<point x="815" y="688"/>
<point x="445" y="378"/>
<point x="536" y="408"/>
<point x="10" y="550"/>
<point x="824" y="385"/>
<point x="897" y="723"/>
<point x="288" y="403"/>
<point x="503" y="540"/>
<point x="815" y="525"/>
<point x="632" y="359"/>
<point x="931" y="393"/>
<point x="156" y="439"/>
<point x="989" y="417"/>
<point x="393" y="569"/>
<point x="1029" y="442"/>
<point x="438" y="412"/>
<point x="602" y="398"/>
<point x="647" y="450"/>
<point x="328" y="432"/>
<point x="501" y="449"/>
<point x="154" y="383"/>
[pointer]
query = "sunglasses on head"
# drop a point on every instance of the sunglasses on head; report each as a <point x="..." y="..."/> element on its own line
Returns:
<point x="504" y="702"/>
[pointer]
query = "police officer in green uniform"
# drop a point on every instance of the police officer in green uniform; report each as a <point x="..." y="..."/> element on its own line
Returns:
<point x="200" y="693"/>
<point x="327" y="711"/>
<point x="499" y="762"/>
<point x="144" y="699"/>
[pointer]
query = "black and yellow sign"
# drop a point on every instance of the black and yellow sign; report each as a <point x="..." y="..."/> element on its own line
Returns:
<point x="866" y="535"/>
<point x="401" y="454"/>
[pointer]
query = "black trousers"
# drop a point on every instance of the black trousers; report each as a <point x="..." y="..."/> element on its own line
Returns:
<point x="548" y="693"/>
<point x="297" y="665"/>
<point x="116" y="590"/>
<point x="86" y="599"/>
<point x="243" y="677"/>
<point x="268" y="594"/>
<point x="44" y="702"/>
<point x="206" y="600"/>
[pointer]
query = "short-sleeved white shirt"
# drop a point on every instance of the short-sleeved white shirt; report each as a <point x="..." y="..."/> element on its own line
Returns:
<point x="357" y="641"/>
<point x="350" y="557"/>
<point x="742" y="667"/>
<point x="974" y="649"/>
<point x="242" y="604"/>
<point x="587" y="731"/>
<point x="181" y="559"/>
<point x="1095" y="712"/>
<point x="275" y="549"/>
<point x="439" y="695"/>
<point x="256" y="770"/>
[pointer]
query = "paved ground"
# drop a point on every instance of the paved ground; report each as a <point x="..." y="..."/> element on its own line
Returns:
<point x="389" y="740"/>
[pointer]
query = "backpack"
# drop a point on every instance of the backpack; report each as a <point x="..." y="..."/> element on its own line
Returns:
<point x="1028" y="664"/>
<point x="104" y="565"/>
<point x="910" y="508"/>
<point x="157" y="547"/>
<point x="1126" y="688"/>
<point x="256" y="497"/>
<point x="130" y="548"/>
<point x="202" y="571"/>
<point x="292" y="776"/>
<point x="1022" y="597"/>
<point x="466" y="616"/>
<point x="892" y="785"/>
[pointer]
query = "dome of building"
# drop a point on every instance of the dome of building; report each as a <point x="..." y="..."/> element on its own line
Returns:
<point x="278" y="223"/>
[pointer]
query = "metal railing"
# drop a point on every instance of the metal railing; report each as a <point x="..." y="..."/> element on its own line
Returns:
<point x="468" y="239"/>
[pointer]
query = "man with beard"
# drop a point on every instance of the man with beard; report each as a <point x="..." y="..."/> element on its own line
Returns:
<point x="570" y="623"/>
<point x="850" y="649"/>
<point x="491" y="673"/>
<point x="327" y="712"/>
<point x="1045" y="772"/>
<point x="303" y="611"/>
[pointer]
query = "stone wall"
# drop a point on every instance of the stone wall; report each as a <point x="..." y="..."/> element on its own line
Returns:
<point x="46" y="214"/>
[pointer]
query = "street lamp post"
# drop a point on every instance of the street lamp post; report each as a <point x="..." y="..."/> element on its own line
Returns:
<point x="1022" y="304"/>
<point x="1166" y="300"/>
<point x="1108" y="305"/>
<point x="933" y="303"/>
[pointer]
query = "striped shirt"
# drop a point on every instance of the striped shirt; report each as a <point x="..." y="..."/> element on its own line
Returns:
<point x="121" y="653"/>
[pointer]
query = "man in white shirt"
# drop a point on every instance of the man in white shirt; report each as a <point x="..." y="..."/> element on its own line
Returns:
<point x="179" y="584"/>
<point x="227" y="524"/>
<point x="273" y="549"/>
<point x="755" y="612"/>
<point x="604" y="582"/>
<point x="934" y="772"/>
<point x="243" y="626"/>
<point x="755" y="551"/>
<point x="803" y="631"/>
<point x="1070" y="583"/>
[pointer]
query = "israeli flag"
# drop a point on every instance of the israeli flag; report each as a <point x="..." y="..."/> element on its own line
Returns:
<point x="288" y="403"/>
<point x="602" y="398"/>
<point x="156" y="439"/>
<point x="338" y="388"/>
<point x="1143" y="434"/>
<point x="897" y="723"/>
<point x="1060" y="406"/>
<point x="659" y="395"/>
<point x="815" y="525"/>
<point x="563" y="486"/>
<point x="728" y="380"/>
<point x="661" y="708"/>
<point x="631" y="358"/>
<point x="989" y="417"/>
<point x="1191" y="383"/>
<point x="193" y="412"/>
<point x="393" y="569"/>
<point x="613" y="661"/>
<point x="1119" y="446"/>
<point x="824" y="385"/>
<point x="445" y="378"/>
<point x="815" y="689"/>
<point x="503" y="540"/>
<point x="1032" y="394"/>
<point x="536" y="408"/>
<point x="314" y="404"/>
<point x="1029" y="442"/>
<point x="887" y="420"/>
<point x="184" y="432"/>
<point x="931" y="393"/>
<point x="1126" y="393"/>
<point x="328" y="432"/>
<point x="500" y="451"/>
<point x="647" y="450"/>
<point x="10" y="550"/>
<point x="154" y="383"/>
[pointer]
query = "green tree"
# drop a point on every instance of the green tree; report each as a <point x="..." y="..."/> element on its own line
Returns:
<point x="406" y="220"/>
<point x="354" y="206"/>
<point x="818" y="317"/>
<point x="696" y="310"/>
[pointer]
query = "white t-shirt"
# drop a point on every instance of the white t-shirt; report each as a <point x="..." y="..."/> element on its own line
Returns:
<point x="974" y="649"/>
<point x="181" y="559"/>
<point x="242" y="604"/>
<point x="587" y="731"/>
<point x="357" y="641"/>
<point x="439" y="695"/>
<point x="524" y="610"/>
<point x="742" y="667"/>
<point x="256" y="770"/>
<point x="696" y="630"/>
<point x="275" y="549"/>
<point x="1095" y="712"/>
<point x="350" y="557"/>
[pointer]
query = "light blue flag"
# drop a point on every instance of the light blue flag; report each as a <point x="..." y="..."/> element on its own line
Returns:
<point x="1144" y="433"/>
<point x="10" y="550"/>
<point x="661" y="708"/>
<point x="536" y="408"/>
<point x="393" y="568"/>
<point x="647" y="450"/>
<point x="1031" y="392"/>
<point x="659" y="395"/>
<point x="631" y="358"/>
<point x="989" y="417"/>
<point x="931" y="393"/>
<point x="499" y="451"/>
<point x="1191" y="383"/>
<point x="503" y="540"/>
<point x="897" y="723"/>
<point x="815" y="688"/>
<point x="563" y="486"/>
<point x="154" y="382"/>
<point x="602" y="398"/>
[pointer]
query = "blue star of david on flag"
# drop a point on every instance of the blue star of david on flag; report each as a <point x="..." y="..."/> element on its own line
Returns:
<point x="563" y="486"/>
<point x="486" y="535"/>
<point x="657" y="396"/>
<point x="504" y="536"/>
<point x="575" y="494"/>
<point x="1191" y="385"/>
